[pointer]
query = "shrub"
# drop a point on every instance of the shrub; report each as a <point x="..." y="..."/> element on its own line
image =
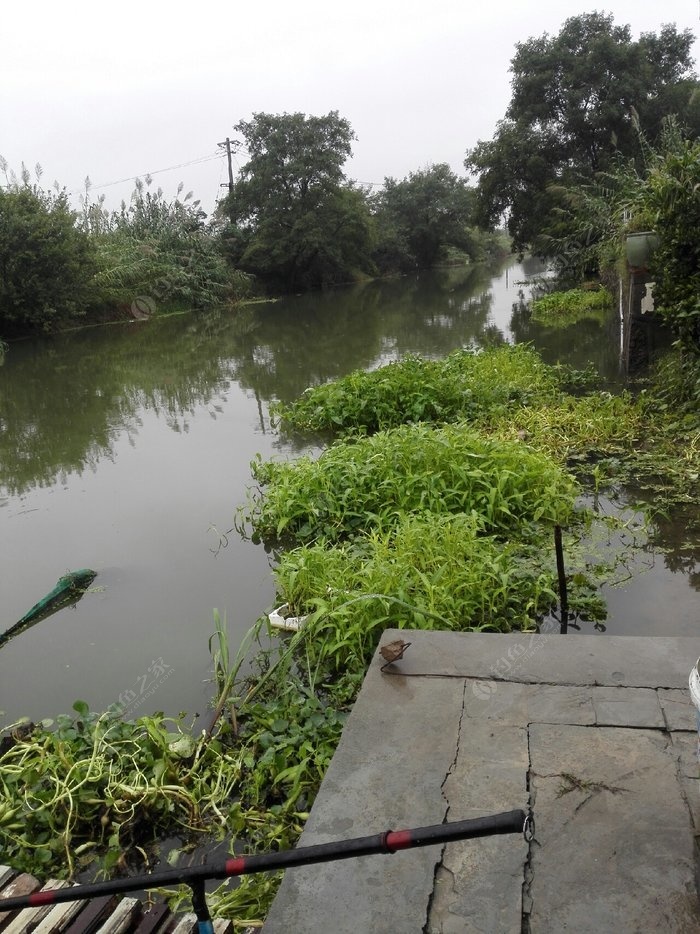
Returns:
<point x="46" y="262"/>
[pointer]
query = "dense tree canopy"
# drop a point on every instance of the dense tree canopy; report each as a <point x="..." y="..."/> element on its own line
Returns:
<point x="421" y="216"/>
<point x="575" y="98"/>
<point x="295" y="221"/>
<point x="46" y="263"/>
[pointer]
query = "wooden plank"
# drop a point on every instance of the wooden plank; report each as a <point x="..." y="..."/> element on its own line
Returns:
<point x="125" y="915"/>
<point x="92" y="915"/>
<point x="23" y="884"/>
<point x="58" y="919"/>
<point x="28" y="918"/>
<point x="184" y="924"/>
<point x="154" y="919"/>
<point x="6" y="873"/>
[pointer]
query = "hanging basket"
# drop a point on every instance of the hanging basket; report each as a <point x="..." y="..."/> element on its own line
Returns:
<point x="640" y="246"/>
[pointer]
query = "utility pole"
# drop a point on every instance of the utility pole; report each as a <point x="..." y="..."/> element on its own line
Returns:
<point x="227" y="146"/>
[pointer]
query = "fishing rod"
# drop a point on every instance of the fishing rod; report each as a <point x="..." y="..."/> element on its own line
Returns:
<point x="195" y="876"/>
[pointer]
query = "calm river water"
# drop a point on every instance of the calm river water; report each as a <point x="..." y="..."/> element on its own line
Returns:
<point x="126" y="449"/>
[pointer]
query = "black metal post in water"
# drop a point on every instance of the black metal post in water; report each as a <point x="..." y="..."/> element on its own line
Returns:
<point x="561" y="573"/>
<point x="388" y="842"/>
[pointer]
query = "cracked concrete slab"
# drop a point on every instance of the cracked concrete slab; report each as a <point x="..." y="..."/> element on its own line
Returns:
<point x="678" y="709"/>
<point x="519" y="703"/>
<point x="479" y="888"/>
<point x="614" y="849"/>
<point x="651" y="661"/>
<point x="387" y="773"/>
<point x="596" y="732"/>
<point x="623" y="706"/>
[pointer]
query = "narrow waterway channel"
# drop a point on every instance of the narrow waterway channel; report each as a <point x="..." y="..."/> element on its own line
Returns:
<point x="126" y="449"/>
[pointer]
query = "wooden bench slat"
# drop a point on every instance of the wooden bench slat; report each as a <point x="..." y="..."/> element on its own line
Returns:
<point x="184" y="924"/>
<point x="153" y="920"/>
<point x="6" y="873"/>
<point x="223" y="926"/>
<point x="123" y="918"/>
<point x="92" y="915"/>
<point x="23" y="884"/>
<point x="28" y="918"/>
<point x="59" y="917"/>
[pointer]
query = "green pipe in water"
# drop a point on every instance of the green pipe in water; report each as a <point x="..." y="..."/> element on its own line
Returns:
<point x="69" y="589"/>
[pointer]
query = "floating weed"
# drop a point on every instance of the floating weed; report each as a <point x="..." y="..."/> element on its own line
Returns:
<point x="428" y="572"/>
<point x="130" y="780"/>
<point x="462" y="386"/>
<point x="369" y="483"/>
<point x="562" y="309"/>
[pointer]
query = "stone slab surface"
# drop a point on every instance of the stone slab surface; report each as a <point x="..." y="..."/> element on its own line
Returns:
<point x="627" y="706"/>
<point x="678" y="709"/>
<point x="387" y="773"/>
<point x="595" y="731"/>
<point x="652" y="661"/>
<point x="478" y="884"/>
<point x="614" y="851"/>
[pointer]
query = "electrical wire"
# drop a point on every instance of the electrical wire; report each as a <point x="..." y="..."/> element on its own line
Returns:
<point x="182" y="165"/>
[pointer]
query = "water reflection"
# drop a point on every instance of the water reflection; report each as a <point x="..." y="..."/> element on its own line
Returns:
<point x="65" y="402"/>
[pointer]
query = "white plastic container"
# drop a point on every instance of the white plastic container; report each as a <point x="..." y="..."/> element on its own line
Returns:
<point x="694" y="685"/>
<point x="279" y="619"/>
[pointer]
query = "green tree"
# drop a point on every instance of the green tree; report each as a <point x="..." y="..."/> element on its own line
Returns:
<point x="571" y="111"/>
<point x="46" y="262"/>
<point x="294" y="220"/>
<point x="420" y="217"/>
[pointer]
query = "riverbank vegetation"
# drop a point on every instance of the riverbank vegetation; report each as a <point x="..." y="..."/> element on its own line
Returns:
<point x="292" y="222"/>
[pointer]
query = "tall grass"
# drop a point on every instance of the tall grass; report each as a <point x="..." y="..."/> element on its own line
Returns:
<point x="428" y="572"/>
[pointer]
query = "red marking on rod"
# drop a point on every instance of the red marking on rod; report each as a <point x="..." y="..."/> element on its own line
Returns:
<point x="235" y="867"/>
<point x="42" y="898"/>
<point x="399" y="840"/>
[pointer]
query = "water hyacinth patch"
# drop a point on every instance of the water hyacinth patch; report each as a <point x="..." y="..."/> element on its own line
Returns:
<point x="564" y="308"/>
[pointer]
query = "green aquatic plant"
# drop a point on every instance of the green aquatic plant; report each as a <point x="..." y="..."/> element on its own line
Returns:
<point x="427" y="572"/>
<point x="464" y="385"/>
<point x="94" y="784"/>
<point x="371" y="482"/>
<point x="562" y="309"/>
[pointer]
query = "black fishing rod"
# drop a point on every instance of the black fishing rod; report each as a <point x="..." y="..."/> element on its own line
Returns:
<point x="195" y="876"/>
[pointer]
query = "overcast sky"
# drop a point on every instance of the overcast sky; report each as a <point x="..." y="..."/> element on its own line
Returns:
<point x="115" y="90"/>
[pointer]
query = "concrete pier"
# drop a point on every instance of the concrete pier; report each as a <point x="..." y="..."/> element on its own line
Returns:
<point x="596" y="734"/>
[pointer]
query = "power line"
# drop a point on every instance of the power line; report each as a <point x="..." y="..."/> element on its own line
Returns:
<point x="182" y="165"/>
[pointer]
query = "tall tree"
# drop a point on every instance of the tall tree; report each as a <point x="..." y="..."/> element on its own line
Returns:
<point x="295" y="221"/>
<point x="573" y="100"/>
<point x="419" y="217"/>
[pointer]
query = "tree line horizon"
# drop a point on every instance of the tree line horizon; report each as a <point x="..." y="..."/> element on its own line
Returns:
<point x="585" y="103"/>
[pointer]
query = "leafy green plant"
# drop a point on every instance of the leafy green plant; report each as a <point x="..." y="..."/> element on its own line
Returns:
<point x="465" y="385"/>
<point x="370" y="483"/>
<point x="46" y="262"/>
<point x="129" y="780"/>
<point x="161" y="250"/>
<point x="562" y="309"/>
<point x="428" y="572"/>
